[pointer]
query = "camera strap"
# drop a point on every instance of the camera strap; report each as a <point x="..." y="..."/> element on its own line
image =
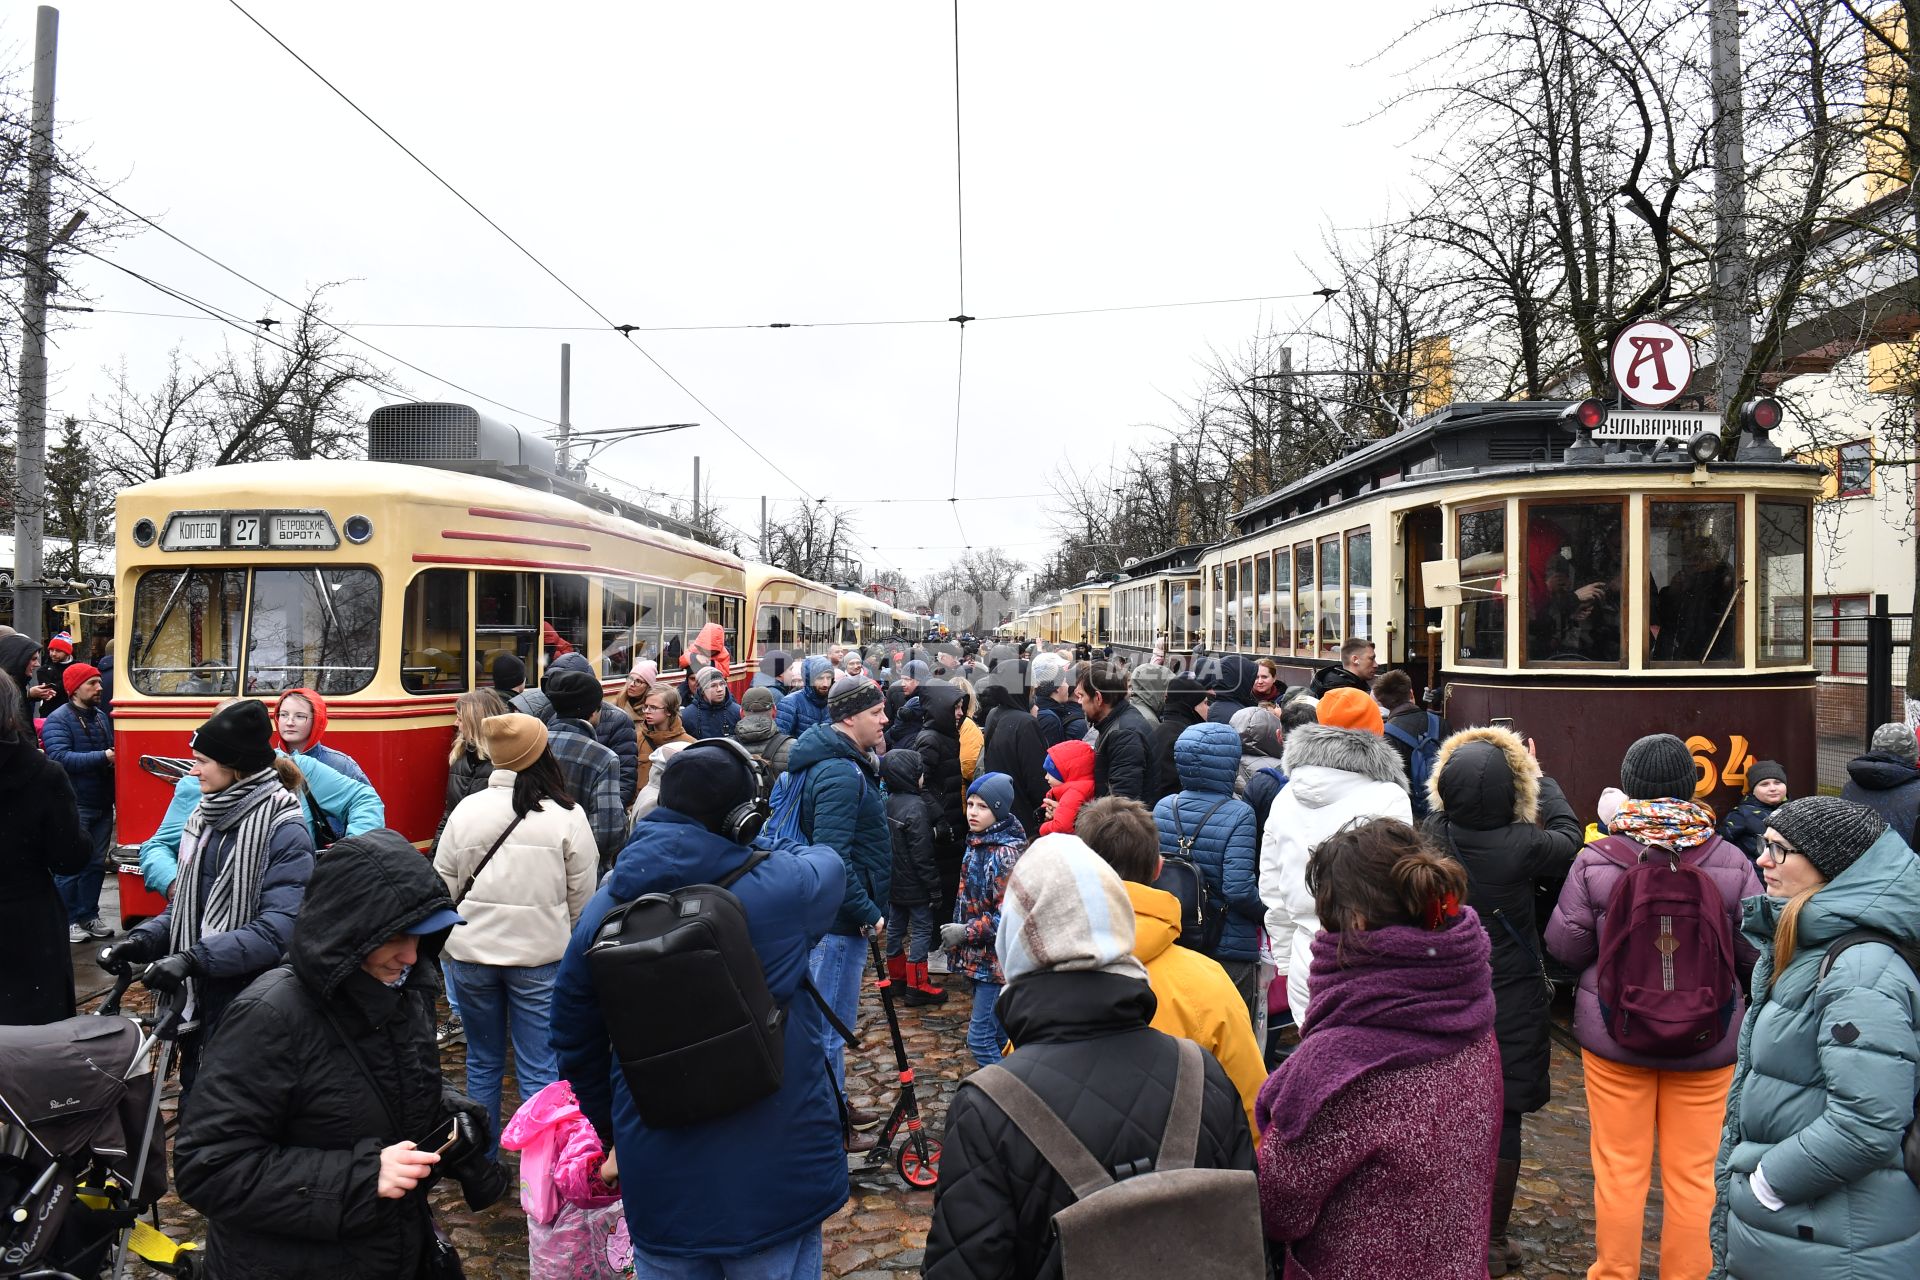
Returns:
<point x="353" y="1051"/>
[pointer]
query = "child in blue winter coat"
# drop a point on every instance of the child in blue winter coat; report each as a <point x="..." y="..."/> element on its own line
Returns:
<point x="995" y="840"/>
<point x="1207" y="824"/>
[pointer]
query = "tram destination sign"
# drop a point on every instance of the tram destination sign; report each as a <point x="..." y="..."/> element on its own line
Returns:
<point x="249" y="531"/>
<point x="1656" y="424"/>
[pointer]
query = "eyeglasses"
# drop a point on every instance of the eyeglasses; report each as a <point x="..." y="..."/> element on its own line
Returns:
<point x="1778" y="850"/>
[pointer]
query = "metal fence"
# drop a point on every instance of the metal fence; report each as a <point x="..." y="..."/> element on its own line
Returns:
<point x="1861" y="660"/>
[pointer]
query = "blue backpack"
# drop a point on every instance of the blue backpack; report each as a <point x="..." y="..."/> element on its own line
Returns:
<point x="785" y="803"/>
<point x="1426" y="748"/>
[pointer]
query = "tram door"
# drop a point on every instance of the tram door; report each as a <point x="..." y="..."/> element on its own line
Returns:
<point x="1420" y="541"/>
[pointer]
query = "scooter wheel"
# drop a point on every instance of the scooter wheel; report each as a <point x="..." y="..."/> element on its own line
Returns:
<point x="918" y="1172"/>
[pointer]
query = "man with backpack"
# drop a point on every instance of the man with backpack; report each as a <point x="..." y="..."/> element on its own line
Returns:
<point x="1412" y="730"/>
<point x="832" y="796"/>
<point x="743" y="1191"/>
<point x="1089" y="1084"/>
<point x="1211" y="849"/>
<point x="759" y="734"/>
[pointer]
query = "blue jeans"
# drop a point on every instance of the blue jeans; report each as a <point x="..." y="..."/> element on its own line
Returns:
<point x="985" y="1037"/>
<point x="835" y="967"/>
<point x="910" y="929"/>
<point x="496" y="1000"/>
<point x="797" y="1258"/>
<point x="80" y="892"/>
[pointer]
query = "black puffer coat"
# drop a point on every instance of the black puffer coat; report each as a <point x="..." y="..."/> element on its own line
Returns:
<point x="1123" y="758"/>
<point x="1014" y="748"/>
<point x="1510" y="826"/>
<point x="1888" y="786"/>
<point x="466" y="776"/>
<point x="1176" y="717"/>
<point x="279" y="1146"/>
<point x="1086" y="1049"/>
<point x="911" y="816"/>
<point x="939" y="748"/>
<point x="1327" y="679"/>
<point x="40" y="838"/>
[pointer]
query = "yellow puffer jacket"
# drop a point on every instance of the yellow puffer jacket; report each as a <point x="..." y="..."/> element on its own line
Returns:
<point x="1197" y="1000"/>
<point x="971" y="741"/>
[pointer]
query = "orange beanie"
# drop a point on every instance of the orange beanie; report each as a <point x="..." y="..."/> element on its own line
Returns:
<point x="1350" y="709"/>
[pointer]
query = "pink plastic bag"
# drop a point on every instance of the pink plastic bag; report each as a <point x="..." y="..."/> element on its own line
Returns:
<point x="581" y="1244"/>
<point x="537" y="1131"/>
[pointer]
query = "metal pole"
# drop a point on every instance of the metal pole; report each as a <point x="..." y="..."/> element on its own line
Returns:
<point x="696" y="489"/>
<point x="763" y="527"/>
<point x="566" y="408"/>
<point x="29" y="512"/>
<point x="1879" y="668"/>
<point x="1732" y="324"/>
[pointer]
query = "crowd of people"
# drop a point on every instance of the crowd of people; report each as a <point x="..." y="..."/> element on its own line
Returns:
<point x="1263" y="972"/>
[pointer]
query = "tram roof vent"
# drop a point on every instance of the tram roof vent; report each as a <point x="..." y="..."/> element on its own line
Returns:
<point x="437" y="433"/>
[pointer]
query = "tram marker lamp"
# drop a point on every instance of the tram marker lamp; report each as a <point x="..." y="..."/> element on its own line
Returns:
<point x="1758" y="418"/>
<point x="1585" y="417"/>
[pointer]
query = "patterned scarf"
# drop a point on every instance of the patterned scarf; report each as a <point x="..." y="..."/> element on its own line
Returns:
<point x="1676" y="824"/>
<point x="249" y="810"/>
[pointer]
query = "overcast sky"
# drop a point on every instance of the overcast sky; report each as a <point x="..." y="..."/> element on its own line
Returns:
<point x="706" y="164"/>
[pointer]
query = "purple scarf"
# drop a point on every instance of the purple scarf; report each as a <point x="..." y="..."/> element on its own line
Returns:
<point x="1403" y="996"/>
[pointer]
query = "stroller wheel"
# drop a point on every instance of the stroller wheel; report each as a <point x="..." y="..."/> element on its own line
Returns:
<point x="916" y="1171"/>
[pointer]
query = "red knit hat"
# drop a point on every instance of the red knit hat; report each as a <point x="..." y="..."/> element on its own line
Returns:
<point x="62" y="643"/>
<point x="76" y="674"/>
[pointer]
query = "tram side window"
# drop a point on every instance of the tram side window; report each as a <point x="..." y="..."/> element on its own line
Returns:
<point x="563" y="623"/>
<point x="673" y="614"/>
<point x="1263" y="589"/>
<point x="1781" y="537"/>
<point x="616" y="628"/>
<point x="1573" y="582"/>
<point x="186" y="631"/>
<point x="1177" y="641"/>
<point x="1483" y="585"/>
<point x="730" y="609"/>
<point x="1283" y="601"/>
<point x="1693" y="615"/>
<point x="433" y="637"/>
<point x="646" y="622"/>
<point x="316" y="628"/>
<point x="1247" y="607"/>
<point x="1330" y="613"/>
<point x="1233" y="606"/>
<point x="1218" y="631"/>
<point x="1360" y="584"/>
<point x="1304" y="597"/>
<point x="505" y="606"/>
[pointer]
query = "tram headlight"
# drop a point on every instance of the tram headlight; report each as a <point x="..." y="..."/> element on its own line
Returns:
<point x="1704" y="447"/>
<point x="1586" y="415"/>
<point x="1761" y="416"/>
<point x="144" y="532"/>
<point x="358" y="529"/>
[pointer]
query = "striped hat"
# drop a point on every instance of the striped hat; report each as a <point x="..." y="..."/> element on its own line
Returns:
<point x="1065" y="910"/>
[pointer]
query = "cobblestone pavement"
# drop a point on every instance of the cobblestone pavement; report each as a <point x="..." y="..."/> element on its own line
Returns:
<point x="882" y="1231"/>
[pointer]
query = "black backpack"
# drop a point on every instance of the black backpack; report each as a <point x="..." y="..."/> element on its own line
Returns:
<point x="685" y="999"/>
<point x="1910" y="1141"/>
<point x="1203" y="904"/>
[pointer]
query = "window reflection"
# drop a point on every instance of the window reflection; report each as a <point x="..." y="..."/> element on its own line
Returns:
<point x="1693" y="616"/>
<point x="1573" y="566"/>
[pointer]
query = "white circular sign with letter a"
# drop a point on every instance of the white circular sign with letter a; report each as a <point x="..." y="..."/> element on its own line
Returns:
<point x="1651" y="363"/>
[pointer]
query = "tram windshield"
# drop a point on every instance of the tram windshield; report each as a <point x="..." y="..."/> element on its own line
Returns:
<point x="1691" y="549"/>
<point x="314" y="627"/>
<point x="1573" y="582"/>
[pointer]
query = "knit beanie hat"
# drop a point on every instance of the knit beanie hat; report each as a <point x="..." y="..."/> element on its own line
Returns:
<point x="1185" y="691"/>
<point x="707" y="781"/>
<point x="995" y="791"/>
<point x="1351" y="709"/>
<point x="77" y="674"/>
<point x="1896" y="740"/>
<point x="851" y="695"/>
<point x="514" y="741"/>
<point x="758" y="701"/>
<point x="1048" y="670"/>
<point x="1765" y="771"/>
<point x="1611" y="798"/>
<point x="707" y="677"/>
<point x="509" y="673"/>
<point x="575" y="694"/>
<point x="645" y="670"/>
<point x="1053" y="768"/>
<point x="1065" y="910"/>
<point x="1658" y="767"/>
<point x="61" y="643"/>
<point x="1831" y="832"/>
<point x="916" y="670"/>
<point x="239" y="736"/>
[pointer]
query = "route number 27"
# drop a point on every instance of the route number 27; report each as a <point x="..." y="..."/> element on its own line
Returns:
<point x="1739" y="760"/>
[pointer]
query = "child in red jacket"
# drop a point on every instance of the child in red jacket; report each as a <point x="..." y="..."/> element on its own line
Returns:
<point x="1070" y="765"/>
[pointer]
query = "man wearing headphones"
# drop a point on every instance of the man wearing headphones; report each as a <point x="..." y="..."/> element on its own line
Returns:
<point x="743" y="1194"/>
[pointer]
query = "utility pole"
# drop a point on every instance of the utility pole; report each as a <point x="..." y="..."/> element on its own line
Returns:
<point x="763" y="529"/>
<point x="566" y="408"/>
<point x="1732" y="325"/>
<point x="29" y="511"/>
<point x="696" y="490"/>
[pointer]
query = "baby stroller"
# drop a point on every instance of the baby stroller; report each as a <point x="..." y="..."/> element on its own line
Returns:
<point x="81" y="1150"/>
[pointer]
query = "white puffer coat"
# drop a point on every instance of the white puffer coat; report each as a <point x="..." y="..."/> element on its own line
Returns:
<point x="521" y="909"/>
<point x="1334" y="777"/>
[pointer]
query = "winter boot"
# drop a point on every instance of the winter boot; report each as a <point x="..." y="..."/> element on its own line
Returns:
<point x="920" y="988"/>
<point x="1502" y="1257"/>
<point x="897" y="970"/>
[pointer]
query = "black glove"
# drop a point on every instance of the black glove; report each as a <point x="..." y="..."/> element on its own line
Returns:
<point x="120" y="958"/>
<point x="169" y="972"/>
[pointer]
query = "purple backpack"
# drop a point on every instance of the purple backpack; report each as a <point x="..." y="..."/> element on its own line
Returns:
<point x="1666" y="977"/>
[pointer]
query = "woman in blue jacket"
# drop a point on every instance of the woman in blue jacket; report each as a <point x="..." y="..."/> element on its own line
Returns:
<point x="1810" y="1179"/>
<point x="350" y="807"/>
<point x="1224" y="842"/>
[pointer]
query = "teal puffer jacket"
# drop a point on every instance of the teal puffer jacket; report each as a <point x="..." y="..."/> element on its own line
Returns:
<point x="1823" y="1090"/>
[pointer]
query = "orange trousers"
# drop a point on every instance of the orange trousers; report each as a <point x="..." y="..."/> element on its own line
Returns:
<point x="1627" y="1109"/>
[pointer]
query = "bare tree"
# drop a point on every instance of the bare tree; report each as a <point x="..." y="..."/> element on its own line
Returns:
<point x="813" y="540"/>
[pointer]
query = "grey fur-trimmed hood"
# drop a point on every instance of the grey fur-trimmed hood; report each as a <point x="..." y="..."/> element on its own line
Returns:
<point x="1355" y="751"/>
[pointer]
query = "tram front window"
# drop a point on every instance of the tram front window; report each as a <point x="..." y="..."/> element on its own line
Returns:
<point x="186" y="631"/>
<point x="313" y="628"/>
<point x="1573" y="582"/>
<point x="1693" y="616"/>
